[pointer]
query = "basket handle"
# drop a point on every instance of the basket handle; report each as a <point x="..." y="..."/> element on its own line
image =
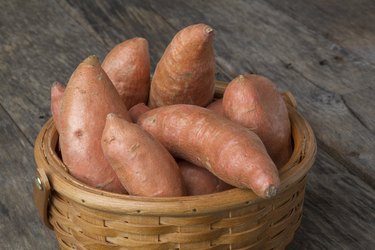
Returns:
<point x="41" y="194"/>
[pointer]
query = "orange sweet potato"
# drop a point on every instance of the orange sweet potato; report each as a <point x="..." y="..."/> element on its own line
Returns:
<point x="232" y="152"/>
<point x="199" y="180"/>
<point x="143" y="165"/>
<point x="89" y="96"/>
<point x="57" y="92"/>
<point x="217" y="106"/>
<point x="128" y="67"/>
<point x="254" y="102"/>
<point x="186" y="71"/>
<point x="137" y="110"/>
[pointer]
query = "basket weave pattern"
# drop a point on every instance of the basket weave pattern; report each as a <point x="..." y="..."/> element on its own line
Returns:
<point x="86" y="218"/>
<point x="261" y="226"/>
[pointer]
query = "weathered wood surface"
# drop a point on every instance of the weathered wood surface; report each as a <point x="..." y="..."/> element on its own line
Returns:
<point x="19" y="227"/>
<point x="348" y="23"/>
<point x="309" y="48"/>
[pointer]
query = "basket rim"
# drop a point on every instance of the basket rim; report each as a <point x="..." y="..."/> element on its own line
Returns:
<point x="62" y="182"/>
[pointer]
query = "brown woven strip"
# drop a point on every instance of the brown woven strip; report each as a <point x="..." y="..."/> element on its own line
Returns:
<point x="193" y="237"/>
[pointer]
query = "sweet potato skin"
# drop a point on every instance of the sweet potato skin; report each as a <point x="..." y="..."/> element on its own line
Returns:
<point x="57" y="92"/>
<point x="143" y="165"/>
<point x="231" y="152"/>
<point x="89" y="96"/>
<point x="137" y="110"/>
<point x="198" y="180"/>
<point x="128" y="67"/>
<point x="254" y="102"/>
<point x="217" y="106"/>
<point x="186" y="71"/>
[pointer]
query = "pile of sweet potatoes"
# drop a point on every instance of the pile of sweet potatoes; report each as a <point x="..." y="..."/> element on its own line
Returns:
<point x="121" y="131"/>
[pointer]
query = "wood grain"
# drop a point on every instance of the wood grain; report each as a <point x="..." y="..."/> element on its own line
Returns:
<point x="338" y="209"/>
<point x="20" y="226"/>
<point x="349" y="23"/>
<point x="362" y="106"/>
<point x="261" y="31"/>
<point x="39" y="44"/>
<point x="114" y="22"/>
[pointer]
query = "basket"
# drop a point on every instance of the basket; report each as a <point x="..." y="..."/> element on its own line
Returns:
<point x="87" y="218"/>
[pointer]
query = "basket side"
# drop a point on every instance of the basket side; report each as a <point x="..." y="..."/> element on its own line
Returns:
<point x="265" y="225"/>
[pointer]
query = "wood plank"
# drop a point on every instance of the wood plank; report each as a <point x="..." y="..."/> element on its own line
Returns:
<point x="114" y="22"/>
<point x="39" y="44"/>
<point x="257" y="30"/>
<point x="20" y="227"/>
<point x="264" y="45"/>
<point x="336" y="215"/>
<point x="362" y="105"/>
<point x="349" y="23"/>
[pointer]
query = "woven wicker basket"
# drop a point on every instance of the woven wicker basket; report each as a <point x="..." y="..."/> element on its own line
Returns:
<point x="87" y="218"/>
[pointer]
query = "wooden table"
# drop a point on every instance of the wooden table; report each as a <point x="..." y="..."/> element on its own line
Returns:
<point x="321" y="51"/>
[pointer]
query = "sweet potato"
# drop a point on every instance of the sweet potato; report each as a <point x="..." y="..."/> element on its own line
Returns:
<point x="89" y="96"/>
<point x="128" y="67"/>
<point x="230" y="151"/>
<point x="186" y="71"/>
<point x="217" y="106"/>
<point x="137" y="110"/>
<point x="254" y="102"/>
<point x="143" y="165"/>
<point x="199" y="180"/>
<point x="57" y="92"/>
